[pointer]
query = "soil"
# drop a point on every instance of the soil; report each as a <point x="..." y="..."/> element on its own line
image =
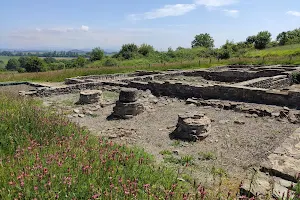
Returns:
<point x="236" y="147"/>
<point x="195" y="80"/>
<point x="16" y="88"/>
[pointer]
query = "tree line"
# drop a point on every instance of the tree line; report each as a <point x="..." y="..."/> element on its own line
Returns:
<point x="201" y="47"/>
<point x="66" y="54"/>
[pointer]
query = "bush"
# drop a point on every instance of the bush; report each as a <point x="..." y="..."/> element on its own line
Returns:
<point x="56" y="66"/>
<point x="35" y="64"/>
<point x="21" y="70"/>
<point x="223" y="54"/>
<point x="109" y="62"/>
<point x="96" y="54"/>
<point x="12" y="64"/>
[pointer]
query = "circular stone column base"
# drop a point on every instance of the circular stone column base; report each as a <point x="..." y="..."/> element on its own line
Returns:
<point x="192" y="127"/>
<point x="89" y="96"/>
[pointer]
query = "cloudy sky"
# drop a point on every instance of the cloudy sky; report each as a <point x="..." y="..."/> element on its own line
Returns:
<point x="81" y="24"/>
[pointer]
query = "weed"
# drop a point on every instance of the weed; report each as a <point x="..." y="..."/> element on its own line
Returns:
<point x="185" y="160"/>
<point x="176" y="143"/>
<point x="165" y="152"/>
<point x="207" y="156"/>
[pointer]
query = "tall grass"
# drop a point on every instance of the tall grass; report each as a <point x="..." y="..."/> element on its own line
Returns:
<point x="44" y="156"/>
<point x="60" y="75"/>
<point x="280" y="51"/>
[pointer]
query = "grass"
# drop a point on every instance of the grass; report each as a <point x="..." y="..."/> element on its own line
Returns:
<point x="280" y="51"/>
<point x="61" y="75"/>
<point x="44" y="156"/>
<point x="6" y="58"/>
<point x="207" y="156"/>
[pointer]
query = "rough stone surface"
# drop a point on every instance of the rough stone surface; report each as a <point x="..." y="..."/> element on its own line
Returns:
<point x="128" y="104"/>
<point x="128" y="95"/>
<point x="279" y="171"/>
<point x="192" y="127"/>
<point x="89" y="96"/>
<point x="128" y="110"/>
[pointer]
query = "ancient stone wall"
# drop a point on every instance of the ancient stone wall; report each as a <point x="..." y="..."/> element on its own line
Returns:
<point x="226" y="92"/>
<point x="279" y="81"/>
<point x="234" y="75"/>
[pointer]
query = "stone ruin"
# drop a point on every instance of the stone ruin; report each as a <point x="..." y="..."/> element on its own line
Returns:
<point x="192" y="127"/>
<point x="128" y="104"/>
<point x="89" y="96"/>
<point x="231" y="86"/>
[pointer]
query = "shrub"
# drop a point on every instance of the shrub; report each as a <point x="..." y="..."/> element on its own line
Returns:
<point x="223" y="54"/>
<point x="109" y="62"/>
<point x="12" y="64"/>
<point x="96" y="54"/>
<point x="56" y="66"/>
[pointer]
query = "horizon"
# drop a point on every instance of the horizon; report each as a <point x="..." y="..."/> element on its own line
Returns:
<point x="84" y="25"/>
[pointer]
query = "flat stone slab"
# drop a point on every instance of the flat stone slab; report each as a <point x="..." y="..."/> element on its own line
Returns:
<point x="264" y="186"/>
<point x="281" y="169"/>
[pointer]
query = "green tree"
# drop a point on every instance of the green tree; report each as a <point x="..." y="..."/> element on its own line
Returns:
<point x="145" y="49"/>
<point x="96" y="54"/>
<point x="80" y="61"/>
<point x="203" y="40"/>
<point x="35" y="64"/>
<point x="23" y="60"/>
<point x="262" y="39"/>
<point x="251" y="39"/>
<point x="128" y="51"/>
<point x="179" y="48"/>
<point x="223" y="53"/>
<point x="109" y="62"/>
<point x="12" y="64"/>
<point x="56" y="66"/>
<point x="49" y="60"/>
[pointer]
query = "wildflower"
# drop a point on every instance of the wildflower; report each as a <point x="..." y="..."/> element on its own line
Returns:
<point x="22" y="183"/>
<point x="95" y="196"/>
<point x="11" y="183"/>
<point x="35" y="188"/>
<point x="45" y="170"/>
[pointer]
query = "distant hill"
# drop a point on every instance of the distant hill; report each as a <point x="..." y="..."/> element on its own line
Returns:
<point x="78" y="51"/>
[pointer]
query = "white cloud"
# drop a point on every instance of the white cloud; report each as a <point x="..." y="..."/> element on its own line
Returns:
<point x="84" y="28"/>
<point x="294" y="13"/>
<point x="60" y="30"/>
<point x="231" y="13"/>
<point x="216" y="3"/>
<point x="166" y="11"/>
<point x="105" y="38"/>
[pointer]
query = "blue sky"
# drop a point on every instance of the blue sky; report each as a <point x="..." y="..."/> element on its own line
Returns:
<point x="59" y="24"/>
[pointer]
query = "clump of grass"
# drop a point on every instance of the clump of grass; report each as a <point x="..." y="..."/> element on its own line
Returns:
<point x="207" y="156"/>
<point x="45" y="156"/>
<point x="165" y="152"/>
<point x="184" y="161"/>
<point x="176" y="143"/>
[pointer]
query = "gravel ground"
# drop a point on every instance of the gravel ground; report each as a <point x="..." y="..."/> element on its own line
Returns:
<point x="195" y="80"/>
<point x="16" y="88"/>
<point x="235" y="147"/>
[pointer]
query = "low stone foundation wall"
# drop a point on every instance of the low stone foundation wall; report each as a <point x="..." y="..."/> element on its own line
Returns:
<point x="279" y="81"/>
<point x="225" y="92"/>
<point x="234" y="75"/>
